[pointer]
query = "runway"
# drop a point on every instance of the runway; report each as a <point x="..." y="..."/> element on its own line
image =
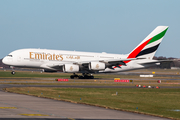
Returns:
<point x="31" y="107"/>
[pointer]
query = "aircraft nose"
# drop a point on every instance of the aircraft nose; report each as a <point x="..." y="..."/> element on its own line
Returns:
<point x="5" y="60"/>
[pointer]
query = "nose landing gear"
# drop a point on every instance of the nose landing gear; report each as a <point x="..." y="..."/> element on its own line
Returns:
<point x="13" y="72"/>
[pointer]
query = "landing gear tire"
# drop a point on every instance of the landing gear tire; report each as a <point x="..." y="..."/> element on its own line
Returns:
<point x="13" y="72"/>
<point x="83" y="76"/>
<point x="72" y="76"/>
<point x="92" y="77"/>
<point x="87" y="76"/>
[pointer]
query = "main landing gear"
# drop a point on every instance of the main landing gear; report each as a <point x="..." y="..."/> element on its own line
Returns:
<point x="83" y="76"/>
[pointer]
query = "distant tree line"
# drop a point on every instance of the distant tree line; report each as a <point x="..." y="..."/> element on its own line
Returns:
<point x="173" y="62"/>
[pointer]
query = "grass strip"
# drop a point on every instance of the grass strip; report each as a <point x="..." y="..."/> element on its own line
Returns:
<point x="38" y="74"/>
<point x="158" y="102"/>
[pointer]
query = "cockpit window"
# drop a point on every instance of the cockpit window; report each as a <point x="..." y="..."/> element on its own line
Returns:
<point x="9" y="55"/>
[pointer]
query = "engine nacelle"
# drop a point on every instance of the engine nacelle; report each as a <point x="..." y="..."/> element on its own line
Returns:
<point x="97" y="66"/>
<point x="48" y="70"/>
<point x="70" y="68"/>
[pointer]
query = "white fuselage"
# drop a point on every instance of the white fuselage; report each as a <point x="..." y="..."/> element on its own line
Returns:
<point x="43" y="59"/>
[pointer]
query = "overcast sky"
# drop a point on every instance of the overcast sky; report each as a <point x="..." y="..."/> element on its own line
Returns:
<point x="112" y="26"/>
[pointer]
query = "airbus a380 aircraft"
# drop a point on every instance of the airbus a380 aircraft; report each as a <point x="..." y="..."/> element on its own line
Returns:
<point x="88" y="62"/>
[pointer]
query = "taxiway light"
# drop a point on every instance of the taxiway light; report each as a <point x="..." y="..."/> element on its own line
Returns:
<point x="157" y="87"/>
<point x="159" y="81"/>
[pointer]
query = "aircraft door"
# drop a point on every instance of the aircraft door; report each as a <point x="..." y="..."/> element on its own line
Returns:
<point x="19" y="59"/>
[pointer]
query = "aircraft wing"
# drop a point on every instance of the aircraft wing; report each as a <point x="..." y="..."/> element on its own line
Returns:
<point x="117" y="61"/>
<point x="155" y="61"/>
<point x="109" y="63"/>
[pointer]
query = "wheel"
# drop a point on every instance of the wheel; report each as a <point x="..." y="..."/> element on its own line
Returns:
<point x="92" y="77"/>
<point x="86" y="77"/>
<point x="13" y="72"/>
<point x="76" y="76"/>
<point x="81" y="77"/>
<point x="72" y="76"/>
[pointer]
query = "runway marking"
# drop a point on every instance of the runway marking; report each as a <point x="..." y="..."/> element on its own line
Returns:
<point x="8" y="107"/>
<point x="33" y="114"/>
<point x="27" y="109"/>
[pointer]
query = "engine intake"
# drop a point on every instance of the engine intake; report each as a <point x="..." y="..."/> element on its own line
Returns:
<point x="97" y="66"/>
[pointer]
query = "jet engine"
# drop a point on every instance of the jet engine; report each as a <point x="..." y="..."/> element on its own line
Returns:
<point x="71" y="68"/>
<point x="48" y="70"/>
<point x="97" y="66"/>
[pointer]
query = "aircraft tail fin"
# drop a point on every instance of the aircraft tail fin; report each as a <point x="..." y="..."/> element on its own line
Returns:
<point x="148" y="47"/>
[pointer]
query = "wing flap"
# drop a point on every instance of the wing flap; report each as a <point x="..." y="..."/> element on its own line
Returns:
<point x="154" y="61"/>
